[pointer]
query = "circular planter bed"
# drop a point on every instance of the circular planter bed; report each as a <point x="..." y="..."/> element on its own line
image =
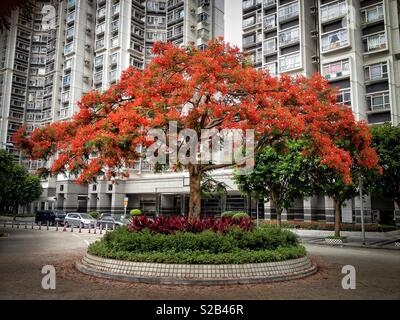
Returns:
<point x="219" y="253"/>
<point x="164" y="273"/>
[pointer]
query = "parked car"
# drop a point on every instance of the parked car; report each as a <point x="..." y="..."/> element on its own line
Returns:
<point x="110" y="222"/>
<point x="105" y="214"/>
<point x="45" y="216"/>
<point x="59" y="217"/>
<point x="77" y="219"/>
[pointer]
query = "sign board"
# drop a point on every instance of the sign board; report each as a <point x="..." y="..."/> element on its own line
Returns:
<point x="125" y="202"/>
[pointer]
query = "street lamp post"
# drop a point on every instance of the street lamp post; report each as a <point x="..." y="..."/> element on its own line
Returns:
<point x="362" y="211"/>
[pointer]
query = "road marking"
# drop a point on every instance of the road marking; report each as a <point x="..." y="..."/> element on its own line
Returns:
<point x="86" y="241"/>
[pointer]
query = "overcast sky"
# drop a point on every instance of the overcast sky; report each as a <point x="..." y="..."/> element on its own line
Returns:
<point x="233" y="22"/>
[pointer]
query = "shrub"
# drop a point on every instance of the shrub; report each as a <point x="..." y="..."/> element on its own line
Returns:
<point x="94" y="214"/>
<point x="230" y="214"/>
<point x="234" y="246"/>
<point x="135" y="212"/>
<point x="167" y="225"/>
<point x="240" y="215"/>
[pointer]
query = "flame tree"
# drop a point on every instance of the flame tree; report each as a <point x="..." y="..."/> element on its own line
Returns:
<point x="213" y="88"/>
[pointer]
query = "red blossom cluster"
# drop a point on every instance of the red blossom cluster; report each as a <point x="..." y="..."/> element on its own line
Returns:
<point x="220" y="90"/>
<point x="167" y="225"/>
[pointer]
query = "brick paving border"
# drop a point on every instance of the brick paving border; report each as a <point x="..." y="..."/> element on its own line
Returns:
<point x="160" y="273"/>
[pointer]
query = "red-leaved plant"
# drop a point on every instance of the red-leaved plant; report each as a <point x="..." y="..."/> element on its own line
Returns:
<point x="167" y="225"/>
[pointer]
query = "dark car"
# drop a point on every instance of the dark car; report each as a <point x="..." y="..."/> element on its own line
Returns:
<point x="45" y="216"/>
<point x="59" y="217"/>
<point x="110" y="222"/>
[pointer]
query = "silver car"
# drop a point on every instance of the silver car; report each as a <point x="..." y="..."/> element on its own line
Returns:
<point x="77" y="219"/>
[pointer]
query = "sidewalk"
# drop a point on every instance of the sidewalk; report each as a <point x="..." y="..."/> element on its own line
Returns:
<point x="376" y="240"/>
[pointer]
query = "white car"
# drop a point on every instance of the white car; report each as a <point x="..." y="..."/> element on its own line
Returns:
<point x="83" y="219"/>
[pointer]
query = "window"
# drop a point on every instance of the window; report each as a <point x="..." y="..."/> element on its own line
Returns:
<point x="98" y="77"/>
<point x="289" y="36"/>
<point x="249" y="40"/>
<point x="288" y="62"/>
<point x="376" y="71"/>
<point x="61" y="187"/>
<point x="271" y="67"/>
<point x="65" y="96"/>
<point x="333" y="10"/>
<point x="378" y="101"/>
<point x="270" y="21"/>
<point x="100" y="28"/>
<point x="67" y="63"/>
<point x="249" y="21"/>
<point x="202" y="17"/>
<point x="376" y="42"/>
<point x="344" y="97"/>
<point x="67" y="80"/>
<point x="372" y="14"/>
<point x="114" y="42"/>
<point x="110" y="187"/>
<point x="100" y="44"/>
<point x="336" y="69"/>
<point x="270" y="46"/>
<point x="289" y="11"/>
<point x="68" y="48"/>
<point x="98" y="61"/>
<point x="334" y="40"/>
<point x="114" y="58"/>
<point x="94" y="187"/>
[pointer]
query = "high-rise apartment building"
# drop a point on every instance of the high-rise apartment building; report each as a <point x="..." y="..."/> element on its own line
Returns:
<point x="354" y="44"/>
<point x="53" y="56"/>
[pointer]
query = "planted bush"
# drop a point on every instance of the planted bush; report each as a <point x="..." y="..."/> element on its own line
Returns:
<point x="135" y="212"/>
<point x="234" y="246"/>
<point x="167" y="225"/>
<point x="240" y="215"/>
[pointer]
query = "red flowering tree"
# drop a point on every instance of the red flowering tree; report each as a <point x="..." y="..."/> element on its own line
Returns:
<point x="211" y="89"/>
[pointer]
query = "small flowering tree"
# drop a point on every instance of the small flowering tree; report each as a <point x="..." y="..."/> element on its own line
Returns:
<point x="215" y="89"/>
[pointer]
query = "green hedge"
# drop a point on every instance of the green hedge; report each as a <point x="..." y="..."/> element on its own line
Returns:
<point x="208" y="247"/>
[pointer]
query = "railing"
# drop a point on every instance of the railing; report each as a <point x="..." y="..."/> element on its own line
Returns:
<point x="288" y="11"/>
<point x="334" y="40"/>
<point x="333" y="11"/>
<point x="376" y="42"/>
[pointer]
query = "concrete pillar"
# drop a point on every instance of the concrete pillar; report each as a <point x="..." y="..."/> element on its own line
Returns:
<point x="117" y="203"/>
<point x="103" y="202"/>
<point x="284" y="215"/>
<point x="367" y="209"/>
<point x="314" y="208"/>
<point x="347" y="212"/>
<point x="329" y="210"/>
<point x="269" y="210"/>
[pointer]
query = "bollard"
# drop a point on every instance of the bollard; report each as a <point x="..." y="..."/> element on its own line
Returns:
<point x="40" y="225"/>
<point x="12" y="224"/>
<point x="89" y="228"/>
<point x="47" y="225"/>
<point x="106" y="227"/>
<point x="95" y="228"/>
<point x="65" y="227"/>
<point x="72" y="227"/>
<point x="57" y="226"/>
<point x="101" y="228"/>
<point x="26" y="225"/>
<point x="32" y="225"/>
<point x="80" y="228"/>
<point x="17" y="225"/>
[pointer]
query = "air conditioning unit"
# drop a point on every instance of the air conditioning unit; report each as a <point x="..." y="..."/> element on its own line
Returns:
<point x="87" y="46"/>
<point x="88" y="31"/>
<point x="193" y="11"/>
<point x="314" y="33"/>
<point x="87" y="62"/>
<point x="313" y="10"/>
<point x="193" y="27"/>
<point x="315" y="59"/>
<point x="86" y="78"/>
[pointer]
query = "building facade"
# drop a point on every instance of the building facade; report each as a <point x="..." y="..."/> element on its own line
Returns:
<point x="355" y="45"/>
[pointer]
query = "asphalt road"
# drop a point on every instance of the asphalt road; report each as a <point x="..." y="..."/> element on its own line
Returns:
<point x="24" y="252"/>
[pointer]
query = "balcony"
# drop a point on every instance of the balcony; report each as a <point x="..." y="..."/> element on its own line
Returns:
<point x="289" y="62"/>
<point x="272" y="68"/>
<point x="203" y="34"/>
<point x="100" y="28"/>
<point x="270" y="46"/>
<point x="289" y="37"/>
<point x="70" y="32"/>
<point x="376" y="42"/>
<point x="333" y="11"/>
<point x="69" y="48"/>
<point x="71" y="17"/>
<point x="372" y="14"/>
<point x="269" y="3"/>
<point x="270" y="22"/>
<point x="252" y="21"/>
<point x="377" y="102"/>
<point x="336" y="70"/>
<point x="376" y="72"/>
<point x="100" y="44"/>
<point x="247" y="4"/>
<point x="101" y="13"/>
<point x="115" y="9"/>
<point x="334" y="40"/>
<point x="288" y="12"/>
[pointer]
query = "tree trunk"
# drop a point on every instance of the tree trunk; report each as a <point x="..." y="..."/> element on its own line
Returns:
<point x="279" y="217"/>
<point x="338" y="217"/>
<point x="195" y="192"/>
